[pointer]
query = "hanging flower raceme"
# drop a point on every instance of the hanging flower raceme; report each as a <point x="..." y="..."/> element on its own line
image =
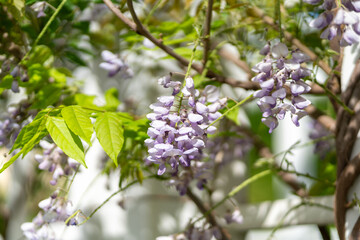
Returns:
<point x="338" y="20"/>
<point x="55" y="161"/>
<point x="179" y="128"/>
<point x="53" y="209"/>
<point x="278" y="69"/>
<point x="114" y="65"/>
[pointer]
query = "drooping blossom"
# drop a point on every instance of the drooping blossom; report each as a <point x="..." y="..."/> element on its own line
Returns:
<point x="321" y="147"/>
<point x="278" y="69"/>
<point x="114" y="65"/>
<point x="39" y="7"/>
<point x="338" y="20"/>
<point x="53" y="209"/>
<point x="12" y="121"/>
<point x="178" y="130"/>
<point x="54" y="160"/>
<point x="234" y="217"/>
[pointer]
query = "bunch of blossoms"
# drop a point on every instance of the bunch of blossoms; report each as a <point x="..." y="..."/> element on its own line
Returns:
<point x="54" y="160"/>
<point x="114" y="65"/>
<point x="340" y="18"/>
<point x="54" y="209"/>
<point x="275" y="72"/>
<point x="322" y="147"/>
<point x="179" y="129"/>
<point x="12" y="121"/>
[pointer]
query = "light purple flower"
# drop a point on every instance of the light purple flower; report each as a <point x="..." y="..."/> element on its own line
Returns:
<point x="114" y="65"/>
<point x="284" y="70"/>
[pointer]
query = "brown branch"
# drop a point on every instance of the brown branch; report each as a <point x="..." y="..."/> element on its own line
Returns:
<point x="344" y="182"/>
<point x="257" y="12"/>
<point x="207" y="29"/>
<point x="141" y="30"/>
<point x="119" y="14"/>
<point x="210" y="216"/>
<point x="241" y="64"/>
<point x="324" y="232"/>
<point x="355" y="233"/>
<point x="325" y="120"/>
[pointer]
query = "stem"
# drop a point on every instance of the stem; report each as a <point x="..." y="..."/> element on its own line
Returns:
<point x="278" y="14"/>
<point x="188" y="72"/>
<point x="304" y="203"/>
<point x="207" y="30"/>
<point x="250" y="97"/>
<point x="115" y="193"/>
<point x="157" y="4"/>
<point x="108" y="199"/>
<point x="235" y="191"/>
<point x="204" y="210"/>
<point x="47" y="25"/>
<point x="72" y="216"/>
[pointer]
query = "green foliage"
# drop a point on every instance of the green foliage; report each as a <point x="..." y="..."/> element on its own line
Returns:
<point x="110" y="133"/>
<point x="65" y="139"/>
<point x="78" y="121"/>
<point x="112" y="99"/>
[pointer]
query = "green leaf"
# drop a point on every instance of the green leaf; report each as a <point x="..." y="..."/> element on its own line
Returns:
<point x="78" y="121"/>
<point x="41" y="54"/>
<point x="6" y="81"/>
<point x="57" y="75"/>
<point x="65" y="139"/>
<point x="47" y="96"/>
<point x="109" y="131"/>
<point x="73" y="57"/>
<point x="11" y="161"/>
<point x="29" y="136"/>
<point x="35" y="129"/>
<point x="112" y="99"/>
<point x="87" y="102"/>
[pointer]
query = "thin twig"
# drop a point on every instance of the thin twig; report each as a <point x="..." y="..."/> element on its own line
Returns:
<point x="210" y="217"/>
<point x="207" y="29"/>
<point x="235" y="191"/>
<point x="257" y="12"/>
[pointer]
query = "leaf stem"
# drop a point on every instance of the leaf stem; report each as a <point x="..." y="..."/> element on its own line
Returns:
<point x="336" y="98"/>
<point x="235" y="191"/>
<point x="250" y="97"/>
<point x="278" y="14"/>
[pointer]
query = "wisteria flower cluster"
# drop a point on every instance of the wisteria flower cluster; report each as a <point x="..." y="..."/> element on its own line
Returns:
<point x="340" y="18"/>
<point x="11" y="122"/>
<point x="114" y="65"/>
<point x="54" y="160"/>
<point x="322" y="147"/>
<point x="54" y="209"/>
<point x="179" y="127"/>
<point x="276" y="72"/>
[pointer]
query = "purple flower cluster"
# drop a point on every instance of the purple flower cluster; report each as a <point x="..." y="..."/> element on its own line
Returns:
<point x="12" y="121"/>
<point x="234" y="217"/>
<point x="39" y="7"/>
<point x="338" y="20"/>
<point x="276" y="72"/>
<point x="322" y="147"/>
<point x="224" y="149"/>
<point x="114" y="65"/>
<point x="54" y="209"/>
<point x="56" y="161"/>
<point x="201" y="171"/>
<point x="180" y="125"/>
